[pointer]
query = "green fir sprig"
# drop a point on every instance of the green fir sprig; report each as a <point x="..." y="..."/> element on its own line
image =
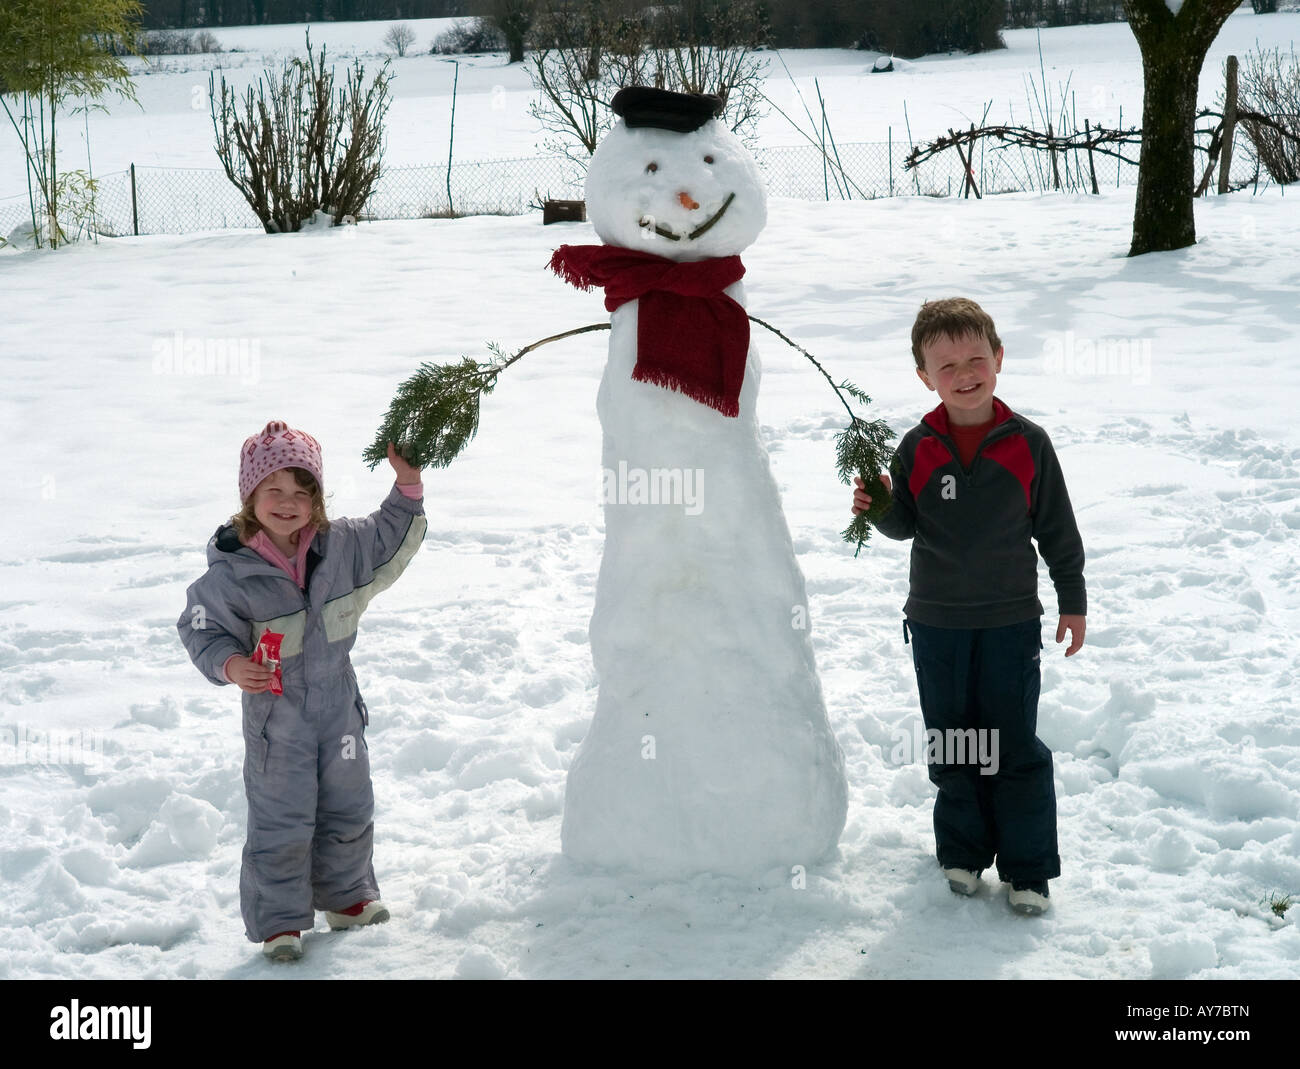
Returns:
<point x="435" y="412"/>
<point x="861" y="449"/>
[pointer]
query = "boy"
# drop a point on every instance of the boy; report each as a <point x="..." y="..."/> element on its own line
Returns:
<point x="972" y="484"/>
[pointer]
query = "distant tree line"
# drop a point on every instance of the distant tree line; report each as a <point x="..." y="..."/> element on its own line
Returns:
<point x="178" y="14"/>
<point x="905" y="27"/>
<point x="1022" y="13"/>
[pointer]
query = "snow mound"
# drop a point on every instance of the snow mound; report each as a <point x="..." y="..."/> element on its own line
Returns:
<point x="186" y="829"/>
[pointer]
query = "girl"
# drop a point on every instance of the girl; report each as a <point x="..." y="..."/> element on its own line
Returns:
<point x="276" y="614"/>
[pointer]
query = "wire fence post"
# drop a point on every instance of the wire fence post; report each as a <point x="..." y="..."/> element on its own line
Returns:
<point x="451" y="208"/>
<point x="135" y="213"/>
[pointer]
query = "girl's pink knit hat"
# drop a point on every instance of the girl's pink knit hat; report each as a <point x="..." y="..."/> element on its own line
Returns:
<point x="278" y="446"/>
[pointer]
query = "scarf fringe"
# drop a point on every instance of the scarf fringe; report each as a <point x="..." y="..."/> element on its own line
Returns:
<point x="567" y="271"/>
<point x="656" y="376"/>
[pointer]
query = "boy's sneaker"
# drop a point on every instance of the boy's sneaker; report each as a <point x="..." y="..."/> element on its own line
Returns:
<point x="357" y="916"/>
<point x="285" y="946"/>
<point x="962" y="881"/>
<point x="1029" y="897"/>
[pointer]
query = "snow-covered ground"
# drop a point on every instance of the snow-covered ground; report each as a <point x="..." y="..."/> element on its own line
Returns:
<point x="1166" y="382"/>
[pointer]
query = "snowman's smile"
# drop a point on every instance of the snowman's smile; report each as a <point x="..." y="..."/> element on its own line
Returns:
<point x="664" y="232"/>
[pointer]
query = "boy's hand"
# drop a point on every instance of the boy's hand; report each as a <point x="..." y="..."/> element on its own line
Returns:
<point x="1076" y="625"/>
<point x="861" y="499"/>
<point x="406" y="475"/>
<point x="253" y="678"/>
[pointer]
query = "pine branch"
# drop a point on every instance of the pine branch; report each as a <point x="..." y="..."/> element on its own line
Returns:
<point x="861" y="449"/>
<point x="435" y="412"/>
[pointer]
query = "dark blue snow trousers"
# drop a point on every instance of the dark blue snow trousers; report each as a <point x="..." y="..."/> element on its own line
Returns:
<point x="973" y="681"/>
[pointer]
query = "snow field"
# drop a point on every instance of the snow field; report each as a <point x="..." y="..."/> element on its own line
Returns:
<point x="1174" y="729"/>
<point x="1165" y="382"/>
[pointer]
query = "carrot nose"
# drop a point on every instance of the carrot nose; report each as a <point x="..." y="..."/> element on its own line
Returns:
<point x="687" y="201"/>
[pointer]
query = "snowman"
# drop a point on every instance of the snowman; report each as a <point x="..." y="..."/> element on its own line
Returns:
<point x="710" y="750"/>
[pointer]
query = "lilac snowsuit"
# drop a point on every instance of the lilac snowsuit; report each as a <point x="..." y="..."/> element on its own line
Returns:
<point x="306" y="767"/>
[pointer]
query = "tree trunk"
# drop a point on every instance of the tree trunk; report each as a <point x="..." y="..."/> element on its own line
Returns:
<point x="1163" y="218"/>
<point x="1173" y="50"/>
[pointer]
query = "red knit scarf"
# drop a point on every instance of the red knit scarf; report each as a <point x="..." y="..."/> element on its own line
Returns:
<point x="690" y="335"/>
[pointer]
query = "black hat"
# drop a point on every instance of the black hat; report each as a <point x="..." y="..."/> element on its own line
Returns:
<point x="641" y="105"/>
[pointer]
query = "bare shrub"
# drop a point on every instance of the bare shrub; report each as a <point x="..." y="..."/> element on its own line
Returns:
<point x="1269" y="83"/>
<point x="293" y="146"/>
<point x="469" y="36"/>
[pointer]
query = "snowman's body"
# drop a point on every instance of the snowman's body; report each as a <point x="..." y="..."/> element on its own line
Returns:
<point x="710" y="749"/>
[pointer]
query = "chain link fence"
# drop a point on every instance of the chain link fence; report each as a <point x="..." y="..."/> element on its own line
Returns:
<point x="158" y="200"/>
<point x="877" y="169"/>
<point x="171" y="200"/>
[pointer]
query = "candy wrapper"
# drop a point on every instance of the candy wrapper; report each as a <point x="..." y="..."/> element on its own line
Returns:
<point x="268" y="653"/>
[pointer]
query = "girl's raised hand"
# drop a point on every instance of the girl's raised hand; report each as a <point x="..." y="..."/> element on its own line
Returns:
<point x="406" y="475"/>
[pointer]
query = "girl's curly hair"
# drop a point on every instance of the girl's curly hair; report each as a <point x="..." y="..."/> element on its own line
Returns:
<point x="245" y="521"/>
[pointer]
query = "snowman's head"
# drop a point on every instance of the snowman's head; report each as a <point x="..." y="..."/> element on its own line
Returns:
<point x="672" y="180"/>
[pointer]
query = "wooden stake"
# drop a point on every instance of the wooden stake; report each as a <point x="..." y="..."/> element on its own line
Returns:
<point x="969" y="183"/>
<point x="1051" y="150"/>
<point x="1229" y="125"/>
<point x="1092" y="167"/>
<point x="1212" y="154"/>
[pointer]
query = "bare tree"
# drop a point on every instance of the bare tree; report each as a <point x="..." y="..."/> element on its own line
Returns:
<point x="584" y="53"/>
<point x="570" y="69"/>
<point x="399" y="38"/>
<point x="706" y="47"/>
<point x="514" y="18"/>
<point x="1173" y="50"/>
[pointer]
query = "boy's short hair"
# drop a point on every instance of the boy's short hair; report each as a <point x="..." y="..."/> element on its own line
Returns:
<point x="952" y="317"/>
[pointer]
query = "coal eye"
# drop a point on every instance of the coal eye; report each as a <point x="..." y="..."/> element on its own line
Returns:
<point x="650" y="168"/>
<point x="708" y="159"/>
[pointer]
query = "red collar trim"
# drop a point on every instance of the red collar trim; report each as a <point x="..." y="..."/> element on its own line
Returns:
<point x="938" y="418"/>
